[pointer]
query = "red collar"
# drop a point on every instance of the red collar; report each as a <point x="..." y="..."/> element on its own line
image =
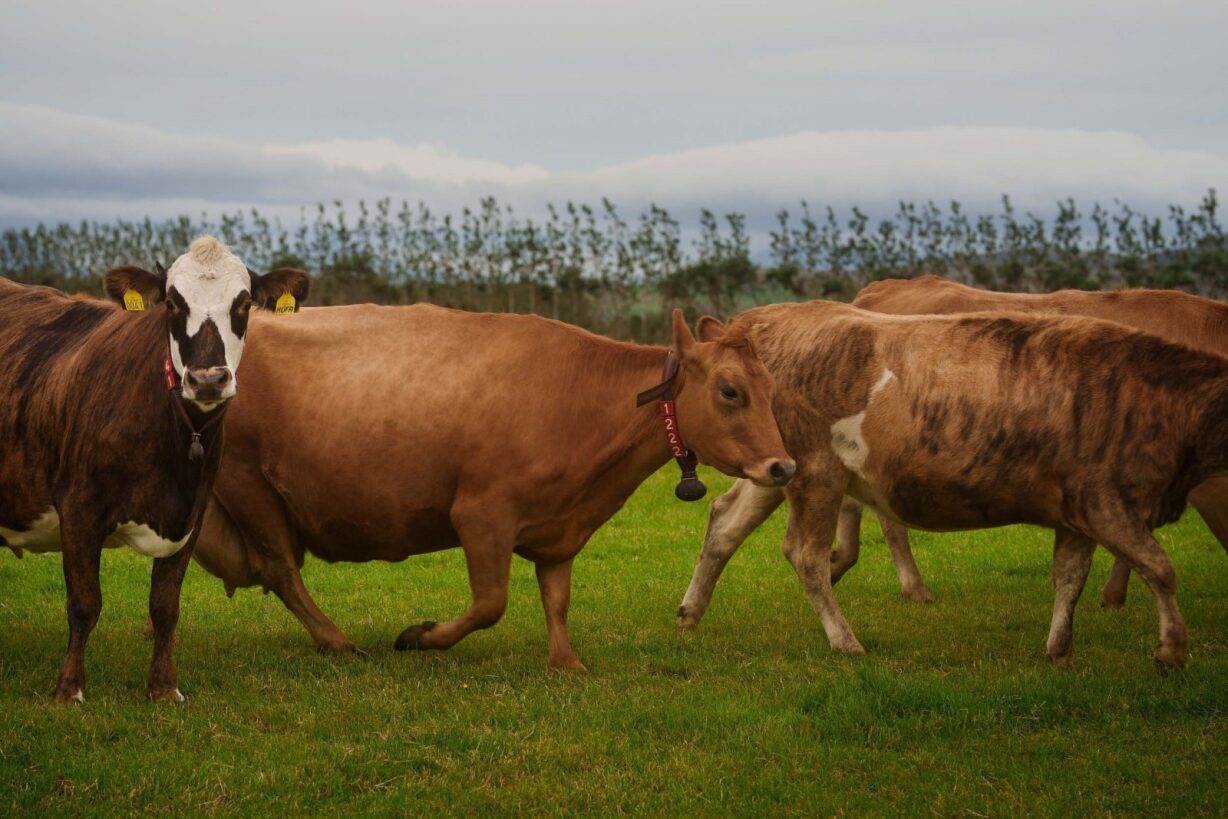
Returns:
<point x="689" y="488"/>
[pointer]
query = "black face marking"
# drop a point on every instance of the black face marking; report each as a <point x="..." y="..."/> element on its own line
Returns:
<point x="240" y="308"/>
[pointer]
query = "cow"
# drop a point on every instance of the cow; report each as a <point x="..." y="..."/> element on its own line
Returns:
<point x="111" y="425"/>
<point x="985" y="419"/>
<point x="376" y="433"/>
<point x="1175" y="316"/>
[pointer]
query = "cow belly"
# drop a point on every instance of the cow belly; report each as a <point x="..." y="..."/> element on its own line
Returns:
<point x="140" y="538"/>
<point x="44" y="536"/>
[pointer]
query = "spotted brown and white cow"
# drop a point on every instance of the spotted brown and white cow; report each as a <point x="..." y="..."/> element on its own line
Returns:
<point x="110" y="427"/>
<point x="984" y="419"/>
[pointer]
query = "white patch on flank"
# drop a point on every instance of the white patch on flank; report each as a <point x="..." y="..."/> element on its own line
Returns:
<point x="42" y="536"/>
<point x="141" y="538"/>
<point x="209" y="277"/>
<point x="846" y="437"/>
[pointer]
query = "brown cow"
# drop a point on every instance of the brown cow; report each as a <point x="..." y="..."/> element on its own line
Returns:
<point x="100" y="448"/>
<point x="966" y="422"/>
<point x="1170" y="314"/>
<point x="376" y="433"/>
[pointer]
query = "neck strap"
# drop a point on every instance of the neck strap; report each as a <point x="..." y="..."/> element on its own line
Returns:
<point x="689" y="487"/>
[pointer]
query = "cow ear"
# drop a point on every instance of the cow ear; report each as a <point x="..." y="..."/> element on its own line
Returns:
<point x="683" y="340"/>
<point x="709" y="329"/>
<point x="283" y="289"/>
<point x="135" y="288"/>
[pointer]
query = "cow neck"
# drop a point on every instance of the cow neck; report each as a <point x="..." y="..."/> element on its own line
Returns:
<point x="635" y="445"/>
<point x="179" y="422"/>
<point x="689" y="487"/>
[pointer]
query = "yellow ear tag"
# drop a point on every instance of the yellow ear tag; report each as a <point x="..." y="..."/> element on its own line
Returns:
<point x="285" y="304"/>
<point x="133" y="301"/>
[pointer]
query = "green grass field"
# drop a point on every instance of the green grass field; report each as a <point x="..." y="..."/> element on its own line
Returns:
<point x="953" y="711"/>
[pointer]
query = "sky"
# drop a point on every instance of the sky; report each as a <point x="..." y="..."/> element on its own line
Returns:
<point x="128" y="108"/>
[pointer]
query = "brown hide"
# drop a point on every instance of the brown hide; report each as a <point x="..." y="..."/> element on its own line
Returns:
<point x="1175" y="316"/>
<point x="87" y="429"/>
<point x="375" y="433"/>
<point x="1085" y="426"/>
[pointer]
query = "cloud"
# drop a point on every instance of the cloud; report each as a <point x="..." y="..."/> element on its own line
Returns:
<point x="58" y="166"/>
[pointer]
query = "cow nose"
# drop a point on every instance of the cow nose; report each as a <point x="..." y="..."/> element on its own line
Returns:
<point x="782" y="471"/>
<point x="208" y="379"/>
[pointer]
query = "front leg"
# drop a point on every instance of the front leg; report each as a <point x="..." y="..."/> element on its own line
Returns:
<point x="814" y="506"/>
<point x="554" y="582"/>
<point x="82" y="552"/>
<point x="734" y="515"/>
<point x="164" y="588"/>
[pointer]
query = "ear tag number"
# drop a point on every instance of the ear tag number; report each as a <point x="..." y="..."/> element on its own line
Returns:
<point x="133" y="301"/>
<point x="285" y="304"/>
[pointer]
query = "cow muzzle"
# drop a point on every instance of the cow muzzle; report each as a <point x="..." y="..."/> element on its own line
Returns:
<point x="208" y="385"/>
<point x="772" y="472"/>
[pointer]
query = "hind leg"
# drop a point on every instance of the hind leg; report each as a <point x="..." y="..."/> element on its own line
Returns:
<point x="848" y="538"/>
<point x="1072" y="560"/>
<point x="261" y="527"/>
<point x="1113" y="595"/>
<point x="912" y="586"/>
<point x="1128" y="538"/>
<point x="488" y="546"/>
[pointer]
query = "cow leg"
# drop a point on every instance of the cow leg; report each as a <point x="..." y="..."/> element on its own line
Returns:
<point x="164" y="587"/>
<point x="259" y="522"/>
<point x="808" y="539"/>
<point x="848" y="539"/>
<point x="554" y="582"/>
<point x="81" y="543"/>
<point x="1072" y="560"/>
<point x="1113" y="595"/>
<point x="1132" y="540"/>
<point x="912" y="586"/>
<point x="488" y="558"/>
<point x="734" y="515"/>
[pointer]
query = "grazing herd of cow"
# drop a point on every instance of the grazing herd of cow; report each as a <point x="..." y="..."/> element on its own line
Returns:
<point x="374" y="433"/>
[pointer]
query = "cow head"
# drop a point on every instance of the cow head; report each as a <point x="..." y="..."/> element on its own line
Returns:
<point x="206" y="295"/>
<point x="723" y="395"/>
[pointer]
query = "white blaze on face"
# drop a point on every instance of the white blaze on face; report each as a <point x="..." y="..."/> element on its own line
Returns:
<point x="846" y="437"/>
<point x="209" y="277"/>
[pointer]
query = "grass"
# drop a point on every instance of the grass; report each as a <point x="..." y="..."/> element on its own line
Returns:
<point x="953" y="711"/>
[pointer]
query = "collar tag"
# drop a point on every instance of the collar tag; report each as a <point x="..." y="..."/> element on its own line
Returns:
<point x="133" y="301"/>
<point x="285" y="304"/>
<point x="168" y="371"/>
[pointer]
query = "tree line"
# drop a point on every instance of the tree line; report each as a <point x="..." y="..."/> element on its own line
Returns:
<point x="593" y="266"/>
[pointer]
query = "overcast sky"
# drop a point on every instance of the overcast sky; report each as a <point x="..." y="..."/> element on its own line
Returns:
<point x="127" y="108"/>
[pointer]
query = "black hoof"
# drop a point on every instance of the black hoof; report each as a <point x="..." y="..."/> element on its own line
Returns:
<point x="411" y="638"/>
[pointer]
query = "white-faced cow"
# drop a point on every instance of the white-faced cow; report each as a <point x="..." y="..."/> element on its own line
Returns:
<point x="985" y="419"/>
<point x="110" y="428"/>
<point x="1174" y="316"/>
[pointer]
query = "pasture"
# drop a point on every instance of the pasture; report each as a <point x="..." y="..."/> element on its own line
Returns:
<point x="953" y="711"/>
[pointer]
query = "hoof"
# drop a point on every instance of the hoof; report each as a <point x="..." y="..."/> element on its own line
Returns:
<point x="1062" y="661"/>
<point x="851" y="647"/>
<point x="167" y="695"/>
<point x="340" y="647"/>
<point x="411" y="638"/>
<point x="569" y="664"/>
<point x="1112" y="602"/>
<point x="69" y="696"/>
<point x="685" y="621"/>
<point x="1170" y="658"/>
<point x="921" y="595"/>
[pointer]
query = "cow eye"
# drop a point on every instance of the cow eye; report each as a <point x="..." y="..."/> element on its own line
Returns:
<point x="729" y="393"/>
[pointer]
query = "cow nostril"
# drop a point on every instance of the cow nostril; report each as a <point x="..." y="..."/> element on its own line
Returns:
<point x="782" y="471"/>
